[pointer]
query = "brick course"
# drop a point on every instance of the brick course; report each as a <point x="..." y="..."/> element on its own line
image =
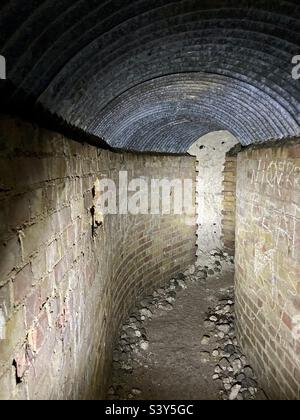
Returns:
<point x="268" y="264"/>
<point x="229" y="201"/>
<point x="65" y="292"/>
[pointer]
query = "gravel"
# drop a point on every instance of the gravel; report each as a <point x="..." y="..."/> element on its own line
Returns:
<point x="231" y="370"/>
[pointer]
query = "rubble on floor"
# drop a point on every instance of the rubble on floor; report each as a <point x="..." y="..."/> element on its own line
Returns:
<point x="233" y="374"/>
<point x="235" y="378"/>
<point x="133" y="339"/>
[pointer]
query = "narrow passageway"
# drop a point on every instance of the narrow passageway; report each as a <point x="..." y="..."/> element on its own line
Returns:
<point x="149" y="200"/>
<point x="180" y="343"/>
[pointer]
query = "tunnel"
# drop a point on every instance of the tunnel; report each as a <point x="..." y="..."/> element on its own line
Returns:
<point x="150" y="200"/>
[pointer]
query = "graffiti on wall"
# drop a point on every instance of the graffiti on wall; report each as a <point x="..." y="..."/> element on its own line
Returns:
<point x="279" y="175"/>
<point x="282" y="223"/>
<point x="272" y="212"/>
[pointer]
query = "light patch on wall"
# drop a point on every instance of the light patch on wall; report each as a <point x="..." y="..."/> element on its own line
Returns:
<point x="2" y="67"/>
<point x="2" y="325"/>
<point x="210" y="151"/>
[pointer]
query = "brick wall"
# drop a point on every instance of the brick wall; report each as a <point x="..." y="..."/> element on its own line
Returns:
<point x="268" y="264"/>
<point x="63" y="293"/>
<point x="229" y="201"/>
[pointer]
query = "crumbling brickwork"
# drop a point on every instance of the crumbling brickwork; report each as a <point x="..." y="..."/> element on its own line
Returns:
<point x="268" y="264"/>
<point x="63" y="292"/>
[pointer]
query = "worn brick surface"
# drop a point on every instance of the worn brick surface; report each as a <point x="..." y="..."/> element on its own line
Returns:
<point x="66" y="292"/>
<point x="268" y="264"/>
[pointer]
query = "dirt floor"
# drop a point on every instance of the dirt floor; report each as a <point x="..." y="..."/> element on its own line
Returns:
<point x="173" y="365"/>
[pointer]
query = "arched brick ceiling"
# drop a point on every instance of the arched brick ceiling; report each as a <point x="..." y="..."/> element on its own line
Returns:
<point x="158" y="74"/>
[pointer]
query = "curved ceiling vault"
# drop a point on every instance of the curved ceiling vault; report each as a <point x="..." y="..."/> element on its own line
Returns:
<point x="158" y="74"/>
